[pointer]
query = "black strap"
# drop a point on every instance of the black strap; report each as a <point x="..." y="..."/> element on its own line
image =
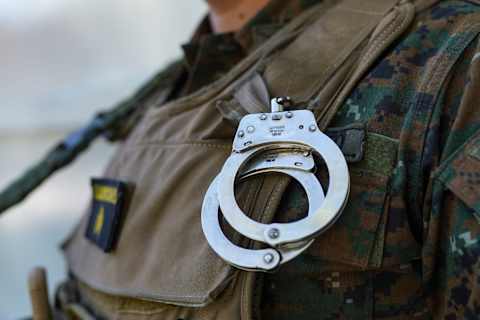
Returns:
<point x="114" y="124"/>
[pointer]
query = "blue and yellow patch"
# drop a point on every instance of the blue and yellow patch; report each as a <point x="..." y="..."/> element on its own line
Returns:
<point x="106" y="211"/>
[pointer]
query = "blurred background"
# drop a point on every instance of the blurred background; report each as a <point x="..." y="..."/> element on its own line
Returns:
<point x="60" y="62"/>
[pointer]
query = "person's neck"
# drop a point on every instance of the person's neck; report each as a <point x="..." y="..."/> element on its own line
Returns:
<point x="232" y="15"/>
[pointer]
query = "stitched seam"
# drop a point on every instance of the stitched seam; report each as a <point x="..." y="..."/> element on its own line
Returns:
<point x="244" y="297"/>
<point x="442" y="178"/>
<point x="274" y="194"/>
<point x="252" y="197"/>
<point x="358" y="42"/>
<point x="248" y="199"/>
<point x="174" y="145"/>
<point x="370" y="13"/>
<point x="237" y="237"/>
<point x="438" y="66"/>
<point x="267" y="204"/>
<point x="390" y="29"/>
<point x="329" y="113"/>
<point x="330" y="70"/>
<point x="433" y="74"/>
<point x="210" y="91"/>
<point x="438" y="172"/>
<point x="385" y="34"/>
<point x="140" y="312"/>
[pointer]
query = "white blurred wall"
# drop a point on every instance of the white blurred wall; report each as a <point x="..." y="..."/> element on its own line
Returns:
<point x="60" y="61"/>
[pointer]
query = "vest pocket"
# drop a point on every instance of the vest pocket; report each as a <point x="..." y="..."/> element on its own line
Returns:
<point x="161" y="253"/>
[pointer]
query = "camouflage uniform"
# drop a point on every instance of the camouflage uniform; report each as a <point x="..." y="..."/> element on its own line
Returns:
<point x="408" y="243"/>
<point x="428" y="236"/>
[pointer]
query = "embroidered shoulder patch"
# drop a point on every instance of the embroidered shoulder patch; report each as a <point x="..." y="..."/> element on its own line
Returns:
<point x="108" y="197"/>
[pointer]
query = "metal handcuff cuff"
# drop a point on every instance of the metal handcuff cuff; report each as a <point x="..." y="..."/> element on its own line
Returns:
<point x="284" y="142"/>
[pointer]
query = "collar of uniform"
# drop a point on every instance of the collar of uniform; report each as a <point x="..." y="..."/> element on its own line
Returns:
<point x="209" y="56"/>
<point x="269" y="20"/>
<point x="204" y="40"/>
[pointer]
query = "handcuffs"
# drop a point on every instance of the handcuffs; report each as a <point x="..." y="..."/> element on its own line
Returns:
<point x="284" y="142"/>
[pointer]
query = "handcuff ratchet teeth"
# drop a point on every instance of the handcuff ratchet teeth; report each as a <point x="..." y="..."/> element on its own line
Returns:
<point x="284" y="142"/>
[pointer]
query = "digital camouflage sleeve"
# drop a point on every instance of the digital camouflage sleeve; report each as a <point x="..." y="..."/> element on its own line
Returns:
<point x="425" y="97"/>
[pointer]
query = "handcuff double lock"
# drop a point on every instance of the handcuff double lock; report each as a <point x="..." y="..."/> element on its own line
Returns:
<point x="286" y="142"/>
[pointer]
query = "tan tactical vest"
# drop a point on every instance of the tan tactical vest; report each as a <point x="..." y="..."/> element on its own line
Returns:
<point x="162" y="258"/>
